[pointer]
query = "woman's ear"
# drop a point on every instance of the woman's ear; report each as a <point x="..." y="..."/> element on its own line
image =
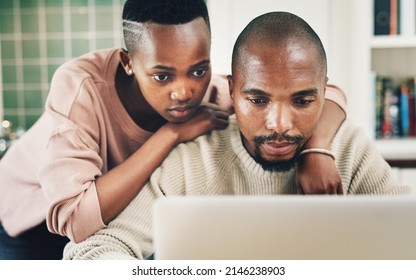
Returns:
<point x="126" y="61"/>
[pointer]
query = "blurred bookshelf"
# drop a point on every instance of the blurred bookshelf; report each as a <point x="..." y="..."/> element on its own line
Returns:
<point x="392" y="75"/>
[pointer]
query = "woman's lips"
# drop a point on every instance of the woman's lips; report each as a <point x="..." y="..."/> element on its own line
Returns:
<point x="181" y="112"/>
<point x="278" y="148"/>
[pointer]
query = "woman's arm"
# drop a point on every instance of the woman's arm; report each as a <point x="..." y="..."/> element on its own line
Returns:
<point x="317" y="173"/>
<point x="120" y="185"/>
<point x="83" y="196"/>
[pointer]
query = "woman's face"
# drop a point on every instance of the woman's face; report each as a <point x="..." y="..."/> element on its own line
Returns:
<point x="172" y="67"/>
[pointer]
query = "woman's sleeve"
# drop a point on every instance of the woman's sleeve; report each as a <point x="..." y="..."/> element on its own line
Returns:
<point x="218" y="92"/>
<point x="74" y="159"/>
<point x="335" y="94"/>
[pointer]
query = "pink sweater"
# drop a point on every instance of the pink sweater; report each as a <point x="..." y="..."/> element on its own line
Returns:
<point x="85" y="131"/>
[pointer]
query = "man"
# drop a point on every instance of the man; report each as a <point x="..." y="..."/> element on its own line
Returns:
<point x="277" y="88"/>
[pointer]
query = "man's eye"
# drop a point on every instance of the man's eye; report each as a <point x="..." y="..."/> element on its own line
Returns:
<point x="199" y="73"/>
<point x="303" y="102"/>
<point x="257" y="101"/>
<point x="161" y="77"/>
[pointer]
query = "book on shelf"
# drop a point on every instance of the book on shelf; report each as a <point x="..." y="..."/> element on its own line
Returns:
<point x="404" y="109"/>
<point x="394" y="17"/>
<point x="388" y="108"/>
<point x="412" y="107"/>
<point x="381" y="17"/>
<point x="379" y="106"/>
<point x="395" y="108"/>
<point x="395" y="114"/>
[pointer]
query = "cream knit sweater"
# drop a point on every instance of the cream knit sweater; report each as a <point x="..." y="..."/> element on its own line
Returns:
<point x="218" y="164"/>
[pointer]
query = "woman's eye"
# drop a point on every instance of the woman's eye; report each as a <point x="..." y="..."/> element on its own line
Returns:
<point x="258" y="101"/>
<point x="199" y="73"/>
<point x="161" y="77"/>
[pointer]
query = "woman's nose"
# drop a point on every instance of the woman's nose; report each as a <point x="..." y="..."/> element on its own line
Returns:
<point x="181" y="94"/>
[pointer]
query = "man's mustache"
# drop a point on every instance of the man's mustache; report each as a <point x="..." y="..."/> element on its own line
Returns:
<point x="260" y="139"/>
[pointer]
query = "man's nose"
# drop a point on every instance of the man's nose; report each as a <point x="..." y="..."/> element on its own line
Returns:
<point x="279" y="118"/>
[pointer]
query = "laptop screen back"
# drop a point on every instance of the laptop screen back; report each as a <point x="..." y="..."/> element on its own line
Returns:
<point x="285" y="227"/>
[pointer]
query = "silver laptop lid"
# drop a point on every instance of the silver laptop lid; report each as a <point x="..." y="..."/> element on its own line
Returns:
<point x="285" y="227"/>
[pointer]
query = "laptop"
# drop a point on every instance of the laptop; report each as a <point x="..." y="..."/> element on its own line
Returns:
<point x="285" y="227"/>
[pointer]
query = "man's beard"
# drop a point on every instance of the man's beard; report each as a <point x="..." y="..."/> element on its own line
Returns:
<point x="277" y="165"/>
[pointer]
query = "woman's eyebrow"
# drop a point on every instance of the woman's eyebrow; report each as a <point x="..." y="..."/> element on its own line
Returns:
<point x="163" y="67"/>
<point x="168" y="68"/>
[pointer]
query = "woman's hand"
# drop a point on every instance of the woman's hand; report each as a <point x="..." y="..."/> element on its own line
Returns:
<point x="207" y="118"/>
<point x="317" y="174"/>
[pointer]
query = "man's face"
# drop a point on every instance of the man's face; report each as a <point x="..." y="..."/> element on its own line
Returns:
<point x="172" y="67"/>
<point x="278" y="95"/>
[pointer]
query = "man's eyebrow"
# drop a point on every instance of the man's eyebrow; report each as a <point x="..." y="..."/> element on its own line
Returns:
<point x="204" y="62"/>
<point x="311" y="91"/>
<point x="168" y="68"/>
<point x="255" y="91"/>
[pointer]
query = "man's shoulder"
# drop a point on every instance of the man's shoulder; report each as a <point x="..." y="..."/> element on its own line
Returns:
<point x="362" y="168"/>
<point x="216" y="141"/>
<point x="190" y="166"/>
<point x="349" y="131"/>
<point x="210" y="148"/>
<point x="353" y="149"/>
<point x="351" y="145"/>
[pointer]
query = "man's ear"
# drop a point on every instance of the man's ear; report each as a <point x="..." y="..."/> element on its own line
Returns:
<point x="126" y="61"/>
<point x="230" y="87"/>
<point x="326" y="84"/>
